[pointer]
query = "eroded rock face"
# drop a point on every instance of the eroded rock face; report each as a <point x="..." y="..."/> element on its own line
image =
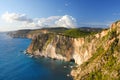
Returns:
<point x="96" y="55"/>
<point x="104" y="64"/>
<point x="53" y="46"/>
<point x="65" y="48"/>
<point x="100" y="52"/>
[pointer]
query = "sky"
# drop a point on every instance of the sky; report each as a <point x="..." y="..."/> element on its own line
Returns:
<point x="34" y="14"/>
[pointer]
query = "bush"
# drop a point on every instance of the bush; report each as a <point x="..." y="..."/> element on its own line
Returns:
<point x="75" y="33"/>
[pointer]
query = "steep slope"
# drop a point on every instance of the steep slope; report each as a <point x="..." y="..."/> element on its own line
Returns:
<point x="97" y="55"/>
<point x="105" y="62"/>
<point x="67" y="46"/>
<point x="96" y="52"/>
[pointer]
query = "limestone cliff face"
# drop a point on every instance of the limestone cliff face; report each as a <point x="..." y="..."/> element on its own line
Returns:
<point x="65" y="48"/>
<point x="53" y="46"/>
<point x="97" y="56"/>
<point x="105" y="61"/>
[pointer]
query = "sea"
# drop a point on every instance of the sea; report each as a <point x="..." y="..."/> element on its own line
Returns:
<point x="16" y="65"/>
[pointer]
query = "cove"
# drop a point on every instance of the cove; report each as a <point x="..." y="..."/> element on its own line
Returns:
<point x="14" y="65"/>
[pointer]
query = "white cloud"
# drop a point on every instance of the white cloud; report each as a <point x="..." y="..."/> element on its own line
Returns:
<point x="48" y="22"/>
<point x="11" y="17"/>
<point x="66" y="21"/>
<point x="53" y="21"/>
<point x="28" y="23"/>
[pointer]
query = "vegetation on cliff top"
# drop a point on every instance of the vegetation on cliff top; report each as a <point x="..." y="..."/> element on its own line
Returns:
<point x="105" y="63"/>
<point x="74" y="32"/>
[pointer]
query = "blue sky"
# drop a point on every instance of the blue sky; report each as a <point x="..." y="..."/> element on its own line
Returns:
<point x="85" y="12"/>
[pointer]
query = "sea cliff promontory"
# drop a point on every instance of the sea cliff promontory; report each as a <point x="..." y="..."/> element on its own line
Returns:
<point x="72" y="45"/>
<point x="95" y="51"/>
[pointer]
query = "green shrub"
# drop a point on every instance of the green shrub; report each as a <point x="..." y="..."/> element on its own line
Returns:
<point x="75" y="33"/>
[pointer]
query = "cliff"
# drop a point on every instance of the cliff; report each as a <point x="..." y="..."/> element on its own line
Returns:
<point x="97" y="55"/>
<point x="19" y="33"/>
<point x="73" y="45"/>
<point x="28" y="33"/>
<point x="104" y="64"/>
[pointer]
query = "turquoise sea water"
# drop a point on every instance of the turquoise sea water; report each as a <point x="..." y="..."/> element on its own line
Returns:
<point x="14" y="65"/>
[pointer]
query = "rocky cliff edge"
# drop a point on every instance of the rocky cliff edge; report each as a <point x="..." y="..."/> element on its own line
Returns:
<point x="104" y="64"/>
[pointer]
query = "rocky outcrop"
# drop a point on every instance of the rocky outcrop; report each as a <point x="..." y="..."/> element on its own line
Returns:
<point x="97" y="55"/>
<point x="19" y="33"/>
<point x="53" y="46"/>
<point x="66" y="48"/>
<point x="105" y="61"/>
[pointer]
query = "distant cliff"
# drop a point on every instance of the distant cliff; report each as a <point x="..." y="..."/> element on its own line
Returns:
<point x="28" y="33"/>
<point x="19" y="33"/>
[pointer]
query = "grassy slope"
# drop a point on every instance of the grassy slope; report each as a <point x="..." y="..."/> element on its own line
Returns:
<point x="105" y="63"/>
<point x="78" y="33"/>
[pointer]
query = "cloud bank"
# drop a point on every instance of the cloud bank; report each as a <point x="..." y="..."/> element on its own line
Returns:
<point x="11" y="17"/>
<point x="52" y="21"/>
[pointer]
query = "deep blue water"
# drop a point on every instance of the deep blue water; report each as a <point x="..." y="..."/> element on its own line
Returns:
<point x="14" y="65"/>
